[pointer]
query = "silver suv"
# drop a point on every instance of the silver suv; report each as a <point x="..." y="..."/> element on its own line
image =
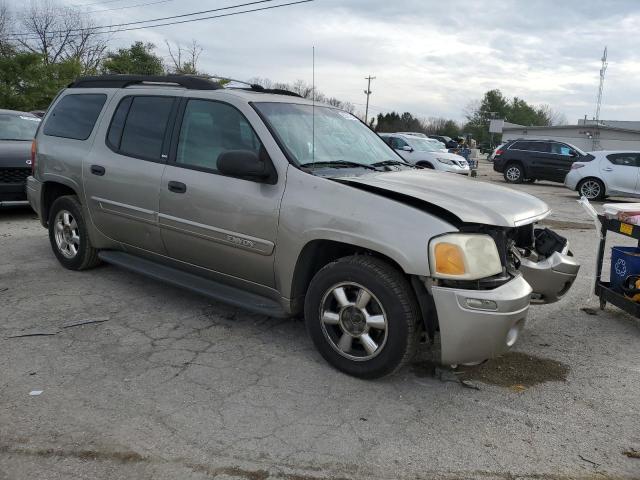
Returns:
<point x="266" y="201"/>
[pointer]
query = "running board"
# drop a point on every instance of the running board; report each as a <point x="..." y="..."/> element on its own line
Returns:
<point x="203" y="286"/>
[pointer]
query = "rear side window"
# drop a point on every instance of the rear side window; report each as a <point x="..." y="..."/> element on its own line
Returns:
<point x="74" y="116"/>
<point x="625" y="159"/>
<point x="138" y="126"/>
<point x="520" y="146"/>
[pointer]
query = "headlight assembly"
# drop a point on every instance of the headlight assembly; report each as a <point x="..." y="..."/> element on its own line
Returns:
<point x="464" y="256"/>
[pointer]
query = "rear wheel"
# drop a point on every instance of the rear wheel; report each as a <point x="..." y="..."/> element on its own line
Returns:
<point x="514" y="173"/>
<point x="69" y="236"/>
<point x="362" y="316"/>
<point x="592" y="189"/>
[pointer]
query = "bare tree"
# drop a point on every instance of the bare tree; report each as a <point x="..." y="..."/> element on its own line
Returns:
<point x="61" y="33"/>
<point x="185" y="59"/>
<point x="4" y="21"/>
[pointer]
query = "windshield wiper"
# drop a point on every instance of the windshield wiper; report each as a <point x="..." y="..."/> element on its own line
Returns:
<point x="339" y="164"/>
<point x="386" y="163"/>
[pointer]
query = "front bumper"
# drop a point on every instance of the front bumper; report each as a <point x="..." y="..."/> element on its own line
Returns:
<point x="550" y="278"/>
<point x="470" y="334"/>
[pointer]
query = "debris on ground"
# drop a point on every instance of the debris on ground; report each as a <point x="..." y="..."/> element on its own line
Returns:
<point x="517" y="371"/>
<point x="35" y="393"/>
<point x="35" y="334"/>
<point x="589" y="310"/>
<point x="632" y="453"/>
<point x="85" y="322"/>
<point x="589" y="461"/>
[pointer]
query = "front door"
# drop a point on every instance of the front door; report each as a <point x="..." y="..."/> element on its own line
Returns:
<point x="562" y="157"/>
<point x="620" y="172"/>
<point x="222" y="223"/>
<point x="123" y="173"/>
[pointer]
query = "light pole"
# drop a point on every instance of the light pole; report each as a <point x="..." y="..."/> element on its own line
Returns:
<point x="368" y="92"/>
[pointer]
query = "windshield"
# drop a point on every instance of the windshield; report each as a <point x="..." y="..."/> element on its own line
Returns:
<point x="339" y="136"/>
<point x="18" y="127"/>
<point x="422" y="145"/>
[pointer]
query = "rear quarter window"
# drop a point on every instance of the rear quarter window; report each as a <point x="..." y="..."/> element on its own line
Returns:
<point x="74" y="116"/>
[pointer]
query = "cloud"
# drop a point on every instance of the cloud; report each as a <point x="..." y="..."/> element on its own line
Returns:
<point x="429" y="58"/>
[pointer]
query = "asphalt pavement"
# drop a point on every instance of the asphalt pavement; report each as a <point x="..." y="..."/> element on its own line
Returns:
<point x="144" y="381"/>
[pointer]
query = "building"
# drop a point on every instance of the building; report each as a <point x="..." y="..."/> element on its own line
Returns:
<point x="608" y="135"/>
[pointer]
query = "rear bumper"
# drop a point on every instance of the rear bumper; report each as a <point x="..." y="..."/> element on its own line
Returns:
<point x="572" y="179"/>
<point x="470" y="334"/>
<point x="34" y="194"/>
<point x="498" y="164"/>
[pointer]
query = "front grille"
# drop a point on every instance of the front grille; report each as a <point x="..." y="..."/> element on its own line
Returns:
<point x="14" y="175"/>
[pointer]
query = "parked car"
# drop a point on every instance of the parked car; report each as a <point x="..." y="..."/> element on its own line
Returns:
<point x="448" y="141"/>
<point x="17" y="130"/>
<point x="274" y="204"/>
<point x="492" y="155"/>
<point x="424" y="153"/>
<point x="602" y="173"/>
<point x="531" y="160"/>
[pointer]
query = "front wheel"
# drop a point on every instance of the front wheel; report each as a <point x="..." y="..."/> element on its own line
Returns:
<point x="69" y="236"/>
<point x="362" y="316"/>
<point x="592" y="188"/>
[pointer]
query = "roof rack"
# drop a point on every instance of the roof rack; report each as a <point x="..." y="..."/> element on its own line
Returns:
<point x="190" y="82"/>
<point x="254" y="87"/>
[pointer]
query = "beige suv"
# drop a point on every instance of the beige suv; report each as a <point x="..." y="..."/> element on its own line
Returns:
<point x="268" y="202"/>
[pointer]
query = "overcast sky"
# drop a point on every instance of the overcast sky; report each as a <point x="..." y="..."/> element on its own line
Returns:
<point x="430" y="57"/>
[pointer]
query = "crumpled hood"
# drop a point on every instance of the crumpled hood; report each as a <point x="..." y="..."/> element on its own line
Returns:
<point x="469" y="200"/>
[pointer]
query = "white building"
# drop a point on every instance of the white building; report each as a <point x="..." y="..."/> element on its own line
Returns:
<point x="609" y="135"/>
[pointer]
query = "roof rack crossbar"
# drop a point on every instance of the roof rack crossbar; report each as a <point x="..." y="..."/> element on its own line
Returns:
<point x="190" y="82"/>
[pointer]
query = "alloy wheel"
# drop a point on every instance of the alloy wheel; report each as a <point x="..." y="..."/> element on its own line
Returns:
<point x="67" y="234"/>
<point x="590" y="189"/>
<point x="513" y="174"/>
<point x="353" y="321"/>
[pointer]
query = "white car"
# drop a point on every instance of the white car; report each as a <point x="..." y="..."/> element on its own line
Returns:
<point x="436" y="143"/>
<point x="423" y="152"/>
<point x="603" y="173"/>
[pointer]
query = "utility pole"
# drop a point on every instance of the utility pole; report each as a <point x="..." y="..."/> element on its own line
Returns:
<point x="603" y="69"/>
<point x="368" y="92"/>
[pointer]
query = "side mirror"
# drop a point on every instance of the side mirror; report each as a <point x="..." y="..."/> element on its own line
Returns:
<point x="573" y="153"/>
<point x="243" y="163"/>
<point x="407" y="148"/>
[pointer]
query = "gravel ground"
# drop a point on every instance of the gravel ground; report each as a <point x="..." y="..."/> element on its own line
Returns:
<point x="165" y="384"/>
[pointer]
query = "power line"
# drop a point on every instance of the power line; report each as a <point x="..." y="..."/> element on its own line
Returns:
<point x="117" y="25"/>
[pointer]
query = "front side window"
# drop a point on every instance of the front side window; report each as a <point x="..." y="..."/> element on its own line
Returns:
<point x="561" y="149"/>
<point x="209" y="129"/>
<point x="18" y="127"/>
<point x="624" y="159"/>
<point x="139" y="125"/>
<point x="398" y="143"/>
<point x="324" y="135"/>
<point x="74" y="116"/>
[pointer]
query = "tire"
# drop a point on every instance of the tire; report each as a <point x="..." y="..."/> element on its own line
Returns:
<point x="69" y="236"/>
<point x="592" y="188"/>
<point x="514" y="173"/>
<point x="368" y="342"/>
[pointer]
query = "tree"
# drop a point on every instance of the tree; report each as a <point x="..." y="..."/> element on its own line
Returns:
<point x="185" y="59"/>
<point x="28" y="82"/>
<point x="138" y="59"/>
<point x="60" y="34"/>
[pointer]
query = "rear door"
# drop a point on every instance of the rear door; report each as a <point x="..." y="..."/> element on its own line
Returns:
<point x="562" y="159"/>
<point x="542" y="162"/>
<point x="620" y="172"/>
<point x="225" y="224"/>
<point x="123" y="173"/>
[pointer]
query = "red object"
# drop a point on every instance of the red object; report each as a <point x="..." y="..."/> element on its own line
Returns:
<point x="499" y="152"/>
<point x="33" y="157"/>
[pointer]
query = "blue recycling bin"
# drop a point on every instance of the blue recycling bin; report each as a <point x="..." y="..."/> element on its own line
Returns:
<point x="625" y="261"/>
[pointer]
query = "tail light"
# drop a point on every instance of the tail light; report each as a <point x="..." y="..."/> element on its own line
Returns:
<point x="576" y="165"/>
<point x="499" y="152"/>
<point x="33" y="157"/>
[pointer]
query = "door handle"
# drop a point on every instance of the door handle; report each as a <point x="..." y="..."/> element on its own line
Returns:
<point x="177" y="187"/>
<point x="98" y="170"/>
<point x="608" y="169"/>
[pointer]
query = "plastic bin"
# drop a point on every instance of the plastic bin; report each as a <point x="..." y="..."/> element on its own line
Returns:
<point x="625" y="261"/>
